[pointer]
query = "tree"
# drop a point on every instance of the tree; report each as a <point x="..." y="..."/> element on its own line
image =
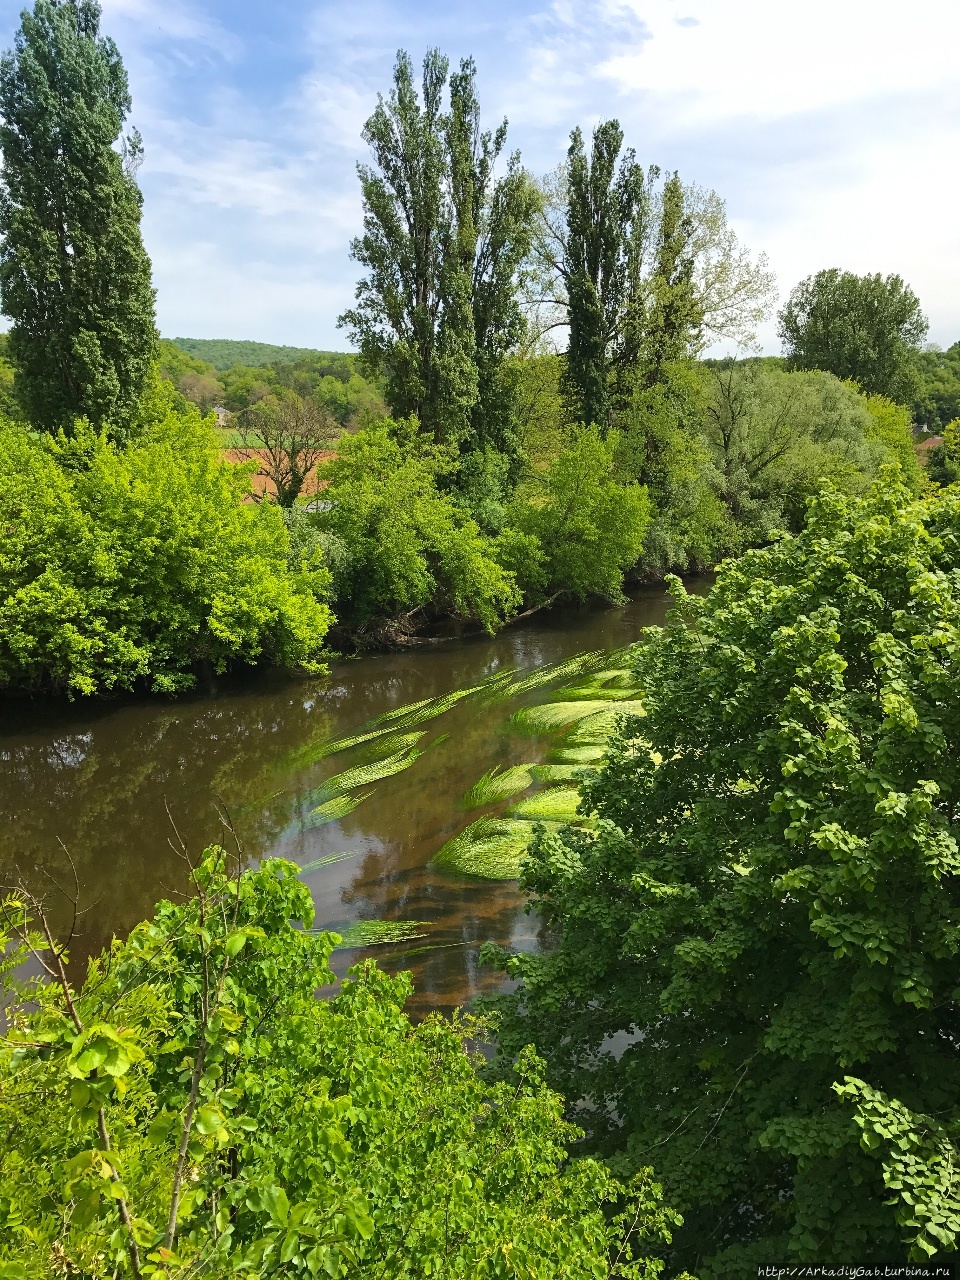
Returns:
<point x="639" y="271"/>
<point x="443" y="241"/>
<point x="409" y="547"/>
<point x="74" y="275"/>
<point x="288" y="436"/>
<point x="194" y="1109"/>
<point x="588" y="526"/>
<point x="751" y="977"/>
<point x="779" y="437"/>
<point x="865" y="328"/>
<point x="943" y="460"/>
<point x="132" y="564"/>
<point x="939" y="399"/>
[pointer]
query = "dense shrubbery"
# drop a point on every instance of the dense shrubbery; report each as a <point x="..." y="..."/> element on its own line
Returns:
<point x="130" y="564"/>
<point x="203" y="1113"/>
<point x="766" y="916"/>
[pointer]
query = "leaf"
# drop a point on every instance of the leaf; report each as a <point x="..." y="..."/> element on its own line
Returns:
<point x="276" y="1204"/>
<point x="160" y="1128"/>
<point x="236" y="941"/>
<point x="208" y="1120"/>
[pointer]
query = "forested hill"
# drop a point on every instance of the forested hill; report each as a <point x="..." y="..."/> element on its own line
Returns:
<point x="225" y="353"/>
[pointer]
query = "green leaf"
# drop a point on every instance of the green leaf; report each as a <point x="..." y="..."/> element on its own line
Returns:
<point x="235" y="943"/>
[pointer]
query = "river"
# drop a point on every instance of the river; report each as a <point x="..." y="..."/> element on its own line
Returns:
<point x="115" y="783"/>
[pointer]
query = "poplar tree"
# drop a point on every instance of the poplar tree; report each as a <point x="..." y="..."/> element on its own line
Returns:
<point x="627" y="262"/>
<point x="74" y="274"/>
<point x="444" y="237"/>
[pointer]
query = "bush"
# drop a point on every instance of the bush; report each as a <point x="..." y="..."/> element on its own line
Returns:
<point x="753" y="973"/>
<point x="132" y="564"/>
<point x="195" y="1110"/>
<point x="409" y="545"/>
<point x="587" y="526"/>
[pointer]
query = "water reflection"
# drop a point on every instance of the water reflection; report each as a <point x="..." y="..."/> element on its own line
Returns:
<point x="110" y="780"/>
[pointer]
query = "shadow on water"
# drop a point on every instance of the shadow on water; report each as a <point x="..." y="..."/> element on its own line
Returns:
<point x="108" y="780"/>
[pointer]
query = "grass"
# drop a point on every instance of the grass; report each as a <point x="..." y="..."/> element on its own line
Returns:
<point x="497" y="785"/>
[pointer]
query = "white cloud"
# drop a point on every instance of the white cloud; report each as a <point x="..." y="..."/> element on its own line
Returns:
<point x="773" y="60"/>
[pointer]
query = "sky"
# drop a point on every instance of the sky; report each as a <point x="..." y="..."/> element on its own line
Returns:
<point x="829" y="127"/>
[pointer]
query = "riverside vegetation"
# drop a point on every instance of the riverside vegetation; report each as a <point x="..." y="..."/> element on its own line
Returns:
<point x="742" y="841"/>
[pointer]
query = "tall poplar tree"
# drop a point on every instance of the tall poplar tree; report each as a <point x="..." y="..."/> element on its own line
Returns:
<point x="626" y="260"/>
<point x="444" y="238"/>
<point x="74" y="274"/>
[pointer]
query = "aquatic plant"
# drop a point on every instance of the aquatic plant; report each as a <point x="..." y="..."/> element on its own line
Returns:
<point x="363" y="775"/>
<point x="328" y="861"/>
<point x="577" y="754"/>
<point x="376" y="933"/>
<point x="547" y="717"/>
<point x="492" y="848"/>
<point x="333" y="810"/>
<point x="612" y="684"/>
<point x="579" y="664"/>
<point x="497" y="785"/>
<point x="555" y="804"/>
<point x="561" y="772"/>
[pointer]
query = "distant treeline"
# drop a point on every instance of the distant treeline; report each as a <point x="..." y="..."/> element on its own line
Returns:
<point x="212" y="372"/>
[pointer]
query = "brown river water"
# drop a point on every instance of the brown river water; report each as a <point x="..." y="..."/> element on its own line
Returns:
<point x="109" y="781"/>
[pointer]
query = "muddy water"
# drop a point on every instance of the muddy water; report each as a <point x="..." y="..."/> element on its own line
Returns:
<point x="116" y="782"/>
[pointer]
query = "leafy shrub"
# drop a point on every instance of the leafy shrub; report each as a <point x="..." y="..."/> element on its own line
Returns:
<point x="409" y="545"/>
<point x="128" y="564"/>
<point x="588" y="527"/>
<point x="195" y="1110"/>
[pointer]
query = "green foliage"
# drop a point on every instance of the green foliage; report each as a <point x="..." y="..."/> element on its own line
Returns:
<point x="194" y="1109"/>
<point x="437" y="315"/>
<point x="767" y="907"/>
<point x="224" y="353"/>
<point x="867" y="329"/>
<point x="891" y="425"/>
<point x="74" y="275"/>
<point x="943" y="460"/>
<point x="588" y="526"/>
<point x="410" y="546"/>
<point x="938" y="401"/>
<point x="662" y="446"/>
<point x="778" y="437"/>
<point x="628" y="268"/>
<point x="131" y="563"/>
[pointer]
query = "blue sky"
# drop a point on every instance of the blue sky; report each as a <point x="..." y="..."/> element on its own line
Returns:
<point x="830" y="127"/>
